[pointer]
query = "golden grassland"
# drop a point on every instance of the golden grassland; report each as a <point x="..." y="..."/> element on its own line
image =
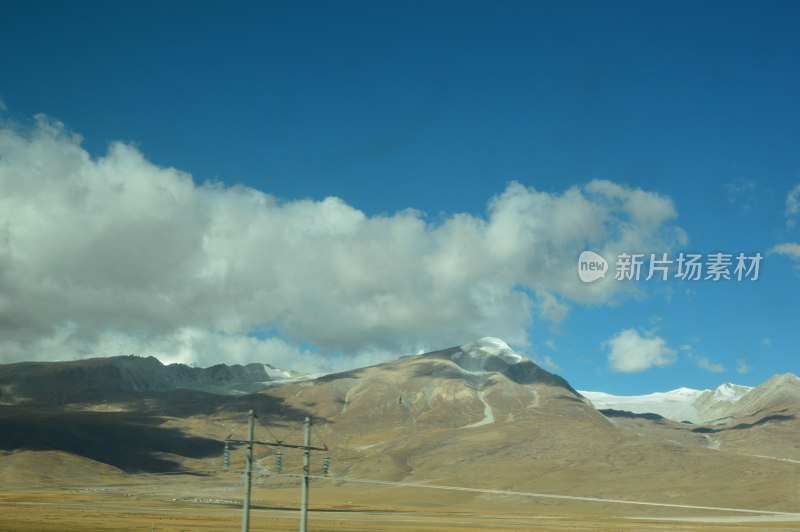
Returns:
<point x="186" y="505"/>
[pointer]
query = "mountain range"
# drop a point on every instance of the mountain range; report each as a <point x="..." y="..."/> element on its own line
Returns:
<point x="716" y="406"/>
<point x="477" y="416"/>
<point x="105" y="378"/>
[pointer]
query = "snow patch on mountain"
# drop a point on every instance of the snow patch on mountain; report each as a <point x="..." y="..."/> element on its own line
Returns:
<point x="683" y="404"/>
<point x="278" y="373"/>
<point x="676" y="404"/>
<point x="278" y="376"/>
<point x="730" y="392"/>
<point x="478" y="355"/>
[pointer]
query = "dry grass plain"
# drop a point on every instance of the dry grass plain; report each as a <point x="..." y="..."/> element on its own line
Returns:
<point x="189" y="504"/>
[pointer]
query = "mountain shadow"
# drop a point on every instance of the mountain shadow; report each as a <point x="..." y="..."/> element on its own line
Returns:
<point x="610" y="412"/>
<point x="131" y="442"/>
<point x="741" y="426"/>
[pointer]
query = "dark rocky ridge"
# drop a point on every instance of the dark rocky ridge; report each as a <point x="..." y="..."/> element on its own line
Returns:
<point x="107" y="378"/>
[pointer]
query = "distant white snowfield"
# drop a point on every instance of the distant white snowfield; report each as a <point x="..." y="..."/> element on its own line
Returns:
<point x="683" y="404"/>
<point x="676" y="404"/>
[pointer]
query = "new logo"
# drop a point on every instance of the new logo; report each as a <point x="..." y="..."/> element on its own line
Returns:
<point x="591" y="266"/>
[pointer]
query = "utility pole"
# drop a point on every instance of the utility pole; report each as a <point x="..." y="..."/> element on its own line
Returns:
<point x="248" y="474"/>
<point x="306" y="463"/>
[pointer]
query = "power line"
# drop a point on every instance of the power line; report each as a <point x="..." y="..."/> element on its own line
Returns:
<point x="269" y="432"/>
<point x="319" y="436"/>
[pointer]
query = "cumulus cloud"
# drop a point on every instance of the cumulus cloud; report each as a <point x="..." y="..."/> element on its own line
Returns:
<point x="631" y="352"/>
<point x="116" y="255"/>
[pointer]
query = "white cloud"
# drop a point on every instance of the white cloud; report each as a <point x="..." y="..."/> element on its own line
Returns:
<point x="701" y="361"/>
<point x="551" y="308"/>
<point x="117" y="255"/>
<point x="548" y="363"/>
<point x="793" y="205"/>
<point x="631" y="352"/>
<point x="742" y="366"/>
<point x="3" y="107"/>
<point x="706" y="364"/>
<point x="788" y="249"/>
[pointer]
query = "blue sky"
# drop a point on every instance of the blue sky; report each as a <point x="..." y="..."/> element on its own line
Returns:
<point x="432" y="106"/>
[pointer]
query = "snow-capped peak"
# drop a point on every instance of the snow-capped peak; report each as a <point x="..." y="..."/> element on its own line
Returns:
<point x="730" y="392"/>
<point x="486" y="355"/>
<point x="489" y="346"/>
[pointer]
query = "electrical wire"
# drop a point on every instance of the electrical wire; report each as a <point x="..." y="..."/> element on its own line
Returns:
<point x="266" y="427"/>
<point x="319" y="436"/>
<point x="289" y="432"/>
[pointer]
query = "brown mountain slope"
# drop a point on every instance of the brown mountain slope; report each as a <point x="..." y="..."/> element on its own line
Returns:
<point x="764" y="422"/>
<point x="517" y="427"/>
